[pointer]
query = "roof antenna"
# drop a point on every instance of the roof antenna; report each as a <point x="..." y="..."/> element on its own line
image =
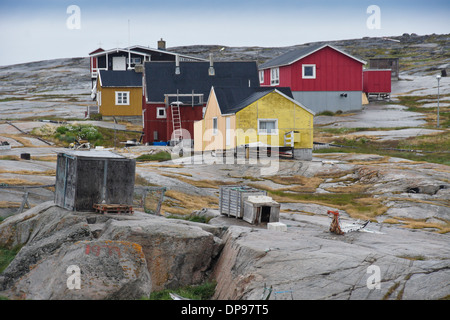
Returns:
<point x="129" y="52"/>
<point x="177" y="64"/>
<point x="211" y="71"/>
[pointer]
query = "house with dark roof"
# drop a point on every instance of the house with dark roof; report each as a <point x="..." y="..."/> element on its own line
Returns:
<point x="176" y="93"/>
<point x="321" y="77"/>
<point x="119" y="93"/>
<point x="122" y="59"/>
<point x="252" y="117"/>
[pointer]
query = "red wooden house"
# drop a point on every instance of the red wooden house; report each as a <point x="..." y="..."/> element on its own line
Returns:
<point x="176" y="93"/>
<point x="321" y="77"/>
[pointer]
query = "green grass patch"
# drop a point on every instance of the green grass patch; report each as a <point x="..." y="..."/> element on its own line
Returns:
<point x="11" y="99"/>
<point x="200" y="292"/>
<point x="357" y="205"/>
<point x="6" y="256"/>
<point x="96" y="136"/>
<point x="429" y="148"/>
<point x="160" y="156"/>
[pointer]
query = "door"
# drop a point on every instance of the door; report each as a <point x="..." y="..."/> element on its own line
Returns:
<point x="119" y="63"/>
<point x="228" y="131"/>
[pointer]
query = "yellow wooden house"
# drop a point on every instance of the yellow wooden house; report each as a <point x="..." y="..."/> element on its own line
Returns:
<point x="119" y="93"/>
<point x="270" y="117"/>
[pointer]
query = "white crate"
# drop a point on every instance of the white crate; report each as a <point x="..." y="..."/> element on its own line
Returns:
<point x="277" y="226"/>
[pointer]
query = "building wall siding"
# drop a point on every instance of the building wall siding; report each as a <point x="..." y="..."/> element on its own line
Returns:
<point x="108" y="102"/>
<point x="377" y="81"/>
<point x="334" y="72"/>
<point x="319" y="101"/>
<point x="164" y="126"/>
<point x="216" y="141"/>
<point x="274" y="106"/>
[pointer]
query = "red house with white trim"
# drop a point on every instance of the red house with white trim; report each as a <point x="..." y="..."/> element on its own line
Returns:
<point x="321" y="77"/>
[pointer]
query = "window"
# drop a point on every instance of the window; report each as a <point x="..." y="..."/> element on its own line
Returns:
<point x="308" y="71"/>
<point x="134" y="61"/>
<point x="161" y="113"/>
<point x="274" y="76"/>
<point x="123" y="98"/>
<point x="268" y="126"/>
<point x="214" y="126"/>
<point x="261" y="76"/>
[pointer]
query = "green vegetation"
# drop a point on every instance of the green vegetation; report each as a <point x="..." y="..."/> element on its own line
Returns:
<point x="201" y="292"/>
<point x="415" y="104"/>
<point x="429" y="148"/>
<point x="433" y="148"/>
<point x="69" y="133"/>
<point x="160" y="156"/>
<point x="357" y="204"/>
<point x="96" y="136"/>
<point x="6" y="256"/>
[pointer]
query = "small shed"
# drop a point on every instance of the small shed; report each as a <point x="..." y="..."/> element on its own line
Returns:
<point x="231" y="199"/>
<point x="261" y="209"/>
<point x="377" y="83"/>
<point x="84" y="178"/>
<point x="386" y="63"/>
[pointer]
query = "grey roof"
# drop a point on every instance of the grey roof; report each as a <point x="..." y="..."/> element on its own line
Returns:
<point x="297" y="54"/>
<point x="160" y="77"/>
<point x="232" y="100"/>
<point x="114" y="78"/>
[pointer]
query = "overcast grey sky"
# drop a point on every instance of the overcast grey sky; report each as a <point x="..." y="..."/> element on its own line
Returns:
<point x="39" y="30"/>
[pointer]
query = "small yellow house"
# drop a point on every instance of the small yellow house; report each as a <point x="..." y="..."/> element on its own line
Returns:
<point x="119" y="93"/>
<point x="236" y="117"/>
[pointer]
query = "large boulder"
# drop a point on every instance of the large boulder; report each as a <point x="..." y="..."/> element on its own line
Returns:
<point x="177" y="253"/>
<point x="118" y="256"/>
<point x="88" y="270"/>
<point x="309" y="262"/>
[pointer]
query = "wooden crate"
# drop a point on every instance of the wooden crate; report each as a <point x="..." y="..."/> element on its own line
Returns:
<point x="113" y="208"/>
<point x="231" y="199"/>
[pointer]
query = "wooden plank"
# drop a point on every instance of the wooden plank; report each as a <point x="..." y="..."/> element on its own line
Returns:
<point x="113" y="208"/>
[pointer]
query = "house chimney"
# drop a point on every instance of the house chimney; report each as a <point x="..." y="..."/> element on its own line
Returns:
<point x="161" y="44"/>
<point x="177" y="64"/>
<point x="211" y="71"/>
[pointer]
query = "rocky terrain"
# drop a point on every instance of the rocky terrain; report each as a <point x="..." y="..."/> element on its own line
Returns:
<point x="418" y="54"/>
<point x="129" y="256"/>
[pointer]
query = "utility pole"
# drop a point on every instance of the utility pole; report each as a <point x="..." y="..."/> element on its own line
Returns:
<point x="438" y="77"/>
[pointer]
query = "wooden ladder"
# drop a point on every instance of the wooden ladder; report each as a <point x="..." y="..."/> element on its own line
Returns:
<point x="176" y="122"/>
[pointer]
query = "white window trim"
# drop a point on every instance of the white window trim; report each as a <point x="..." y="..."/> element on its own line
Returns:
<point x="261" y="76"/>
<point x="134" y="60"/>
<point x="158" y="116"/>
<point x="216" y="129"/>
<point x="275" y="76"/>
<point x="303" y="71"/>
<point x="263" y="132"/>
<point x="128" y="98"/>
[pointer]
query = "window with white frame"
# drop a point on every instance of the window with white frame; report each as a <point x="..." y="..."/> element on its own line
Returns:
<point x="308" y="71"/>
<point x="133" y="60"/>
<point x="275" y="76"/>
<point x="268" y="126"/>
<point x="214" y="125"/>
<point x="122" y="98"/>
<point x="161" y="113"/>
<point x="261" y="76"/>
